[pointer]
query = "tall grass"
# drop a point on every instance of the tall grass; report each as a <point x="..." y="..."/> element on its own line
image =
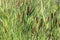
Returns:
<point x="29" y="20"/>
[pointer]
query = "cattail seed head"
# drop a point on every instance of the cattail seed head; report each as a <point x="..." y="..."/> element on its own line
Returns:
<point x="36" y="19"/>
<point x="59" y="24"/>
<point x="32" y="30"/>
<point x="39" y="26"/>
<point x="52" y="15"/>
<point x="19" y="16"/>
<point x="28" y="9"/>
<point x="48" y="18"/>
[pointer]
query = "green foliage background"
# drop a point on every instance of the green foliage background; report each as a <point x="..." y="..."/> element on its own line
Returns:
<point x="29" y="20"/>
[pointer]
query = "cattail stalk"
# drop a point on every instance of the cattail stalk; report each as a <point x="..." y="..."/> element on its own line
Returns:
<point x="52" y="17"/>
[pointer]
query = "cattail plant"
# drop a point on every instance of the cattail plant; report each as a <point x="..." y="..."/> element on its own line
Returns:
<point x="52" y="15"/>
<point x="39" y="26"/>
<point x="37" y="20"/>
<point x="32" y="30"/>
<point x="48" y="18"/>
<point x="28" y="10"/>
<point x="52" y="20"/>
<point x="56" y="22"/>
<point x="18" y="16"/>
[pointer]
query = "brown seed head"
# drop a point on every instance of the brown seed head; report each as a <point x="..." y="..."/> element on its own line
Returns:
<point x="28" y="9"/>
<point x="52" y="14"/>
<point x="36" y="19"/>
<point x="48" y="18"/>
<point x="32" y="30"/>
<point x="56" y="20"/>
